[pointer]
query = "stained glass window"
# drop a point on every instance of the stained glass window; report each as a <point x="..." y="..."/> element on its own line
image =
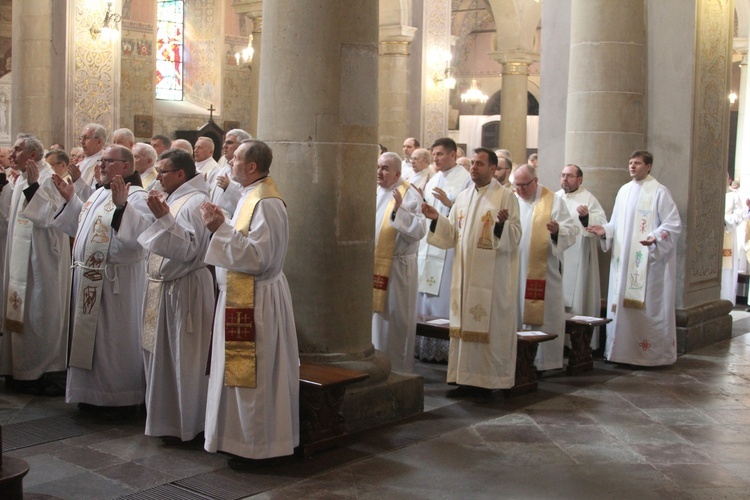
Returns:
<point x="169" y="49"/>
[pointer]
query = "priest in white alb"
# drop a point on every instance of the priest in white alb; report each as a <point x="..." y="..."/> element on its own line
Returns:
<point x="548" y="230"/>
<point x="179" y="305"/>
<point x="435" y="264"/>
<point x="642" y="234"/>
<point x="37" y="276"/>
<point x="399" y="226"/>
<point x="105" y="370"/>
<point x="735" y="214"/>
<point x="204" y="161"/>
<point x="484" y="228"/>
<point x="253" y="389"/>
<point x="421" y="171"/>
<point x="581" y="287"/>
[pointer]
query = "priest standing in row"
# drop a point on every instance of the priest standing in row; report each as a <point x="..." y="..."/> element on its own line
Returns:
<point x="399" y="226"/>
<point x="484" y="229"/>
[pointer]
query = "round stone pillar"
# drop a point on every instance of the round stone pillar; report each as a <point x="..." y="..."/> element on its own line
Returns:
<point x="513" y="109"/>
<point x="393" y="93"/>
<point x="257" y="29"/>
<point x="32" y="68"/>
<point x="318" y="110"/>
<point x="606" y="116"/>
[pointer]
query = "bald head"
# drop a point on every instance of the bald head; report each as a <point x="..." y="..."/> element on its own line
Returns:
<point x="182" y="144"/>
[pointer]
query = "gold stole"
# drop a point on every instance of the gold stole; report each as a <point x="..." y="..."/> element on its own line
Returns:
<point x="18" y="269"/>
<point x="239" y="314"/>
<point x="726" y="251"/>
<point x="384" y="254"/>
<point x="148" y="177"/>
<point x="91" y="280"/>
<point x="536" y="275"/>
<point x="155" y="284"/>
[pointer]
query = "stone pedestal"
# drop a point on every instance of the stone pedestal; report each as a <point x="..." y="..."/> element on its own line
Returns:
<point x="703" y="325"/>
<point x="318" y="111"/>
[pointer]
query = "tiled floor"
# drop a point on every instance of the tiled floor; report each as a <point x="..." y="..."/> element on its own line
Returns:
<point x="676" y="432"/>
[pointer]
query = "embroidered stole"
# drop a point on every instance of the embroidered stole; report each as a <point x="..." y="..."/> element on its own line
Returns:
<point x="148" y="177"/>
<point x="98" y="237"/>
<point x="239" y="314"/>
<point x="154" y="287"/>
<point x="637" y="263"/>
<point x="536" y="274"/>
<point x="20" y="253"/>
<point x="471" y="287"/>
<point x="384" y="254"/>
<point x="432" y="256"/>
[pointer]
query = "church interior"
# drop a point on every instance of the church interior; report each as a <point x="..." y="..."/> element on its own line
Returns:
<point x="323" y="82"/>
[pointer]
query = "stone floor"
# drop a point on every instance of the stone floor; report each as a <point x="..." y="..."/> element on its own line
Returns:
<point x="676" y="432"/>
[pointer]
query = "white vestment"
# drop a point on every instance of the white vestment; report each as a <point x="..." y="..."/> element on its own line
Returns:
<point x="735" y="213"/>
<point x="406" y="169"/>
<point x="549" y="355"/>
<point x="176" y="380"/>
<point x="227" y="198"/>
<point x="5" y="196"/>
<point x="435" y="264"/>
<point x="117" y="375"/>
<point x="149" y="180"/>
<point x="85" y="185"/>
<point x="647" y="336"/>
<point x="210" y="170"/>
<point x="420" y="179"/>
<point x="484" y="274"/>
<point x="581" y="287"/>
<point x="260" y="422"/>
<point x="394" y="329"/>
<point x="43" y="345"/>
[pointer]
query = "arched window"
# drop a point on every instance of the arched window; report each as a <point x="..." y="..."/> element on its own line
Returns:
<point x="170" y="24"/>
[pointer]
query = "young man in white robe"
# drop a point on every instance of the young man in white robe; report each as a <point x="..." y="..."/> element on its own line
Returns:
<point x="37" y="274"/>
<point x="581" y="287"/>
<point x="548" y="230"/>
<point x="435" y="264"/>
<point x="253" y="389"/>
<point x="105" y="370"/>
<point x="484" y="228"/>
<point x="179" y="305"/>
<point x="643" y="233"/>
<point x="399" y="226"/>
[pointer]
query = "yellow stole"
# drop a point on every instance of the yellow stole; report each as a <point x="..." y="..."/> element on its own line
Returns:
<point x="239" y="313"/>
<point x="536" y="275"/>
<point x="384" y="254"/>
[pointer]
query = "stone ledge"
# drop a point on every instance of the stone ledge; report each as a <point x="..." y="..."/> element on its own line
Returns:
<point x="399" y="397"/>
<point x="703" y="325"/>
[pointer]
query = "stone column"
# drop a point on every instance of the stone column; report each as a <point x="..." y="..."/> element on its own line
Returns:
<point x="606" y="115"/>
<point x="436" y="40"/>
<point x="32" y="69"/>
<point x="742" y="151"/>
<point x="251" y="21"/>
<point x="514" y="101"/>
<point x="393" y="81"/>
<point x="318" y="111"/>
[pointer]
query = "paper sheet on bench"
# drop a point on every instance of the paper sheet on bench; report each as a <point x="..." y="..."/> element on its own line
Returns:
<point x="585" y="319"/>
<point x="439" y="322"/>
<point x="531" y="334"/>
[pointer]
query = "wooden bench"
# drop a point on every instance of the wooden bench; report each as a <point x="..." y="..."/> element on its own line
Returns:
<point x="581" y="331"/>
<point x="322" y="389"/>
<point x="526" y="377"/>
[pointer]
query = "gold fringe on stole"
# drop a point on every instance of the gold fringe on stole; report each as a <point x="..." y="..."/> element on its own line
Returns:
<point x="240" y="368"/>
<point x="634" y="304"/>
<point x="384" y="254"/>
<point x="536" y="275"/>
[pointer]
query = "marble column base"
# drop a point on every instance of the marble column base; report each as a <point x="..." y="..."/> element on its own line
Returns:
<point x="703" y="325"/>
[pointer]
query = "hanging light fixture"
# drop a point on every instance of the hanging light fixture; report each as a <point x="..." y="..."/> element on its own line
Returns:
<point x="246" y="56"/>
<point x="473" y="95"/>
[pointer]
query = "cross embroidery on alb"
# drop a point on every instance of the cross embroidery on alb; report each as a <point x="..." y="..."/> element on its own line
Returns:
<point x="239" y="325"/>
<point x="535" y="289"/>
<point x="460" y="219"/>
<point x="478" y="312"/>
<point x="645" y="345"/>
<point x="431" y="280"/>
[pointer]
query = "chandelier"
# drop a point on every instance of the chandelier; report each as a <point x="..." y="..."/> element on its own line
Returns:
<point x="473" y="95"/>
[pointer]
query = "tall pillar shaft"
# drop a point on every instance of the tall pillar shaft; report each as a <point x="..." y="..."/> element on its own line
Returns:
<point x="318" y="111"/>
<point x="606" y="118"/>
<point x="33" y="69"/>
<point x="742" y="152"/>
<point x="393" y="94"/>
<point x="257" y="31"/>
<point x="513" y="109"/>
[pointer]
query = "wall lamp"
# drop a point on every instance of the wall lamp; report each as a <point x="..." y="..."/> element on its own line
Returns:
<point x="246" y="56"/>
<point x="444" y="76"/>
<point x="109" y="25"/>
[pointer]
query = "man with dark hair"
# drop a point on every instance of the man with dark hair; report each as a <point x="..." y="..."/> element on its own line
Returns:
<point x="581" y="287"/>
<point x="179" y="304"/>
<point x="435" y="263"/>
<point x="253" y="390"/>
<point x="410" y="144"/>
<point x="105" y="373"/>
<point x="161" y="143"/>
<point x="643" y="231"/>
<point x="58" y="160"/>
<point x="37" y="274"/>
<point x="484" y="228"/>
<point x="502" y="173"/>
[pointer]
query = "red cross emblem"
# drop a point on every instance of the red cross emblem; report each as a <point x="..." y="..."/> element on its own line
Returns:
<point x="645" y="345"/>
<point x="380" y="282"/>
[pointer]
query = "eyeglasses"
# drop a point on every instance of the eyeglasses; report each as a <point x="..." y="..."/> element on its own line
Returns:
<point x="108" y="161"/>
<point x="524" y="185"/>
<point x="162" y="172"/>
<point x="87" y="137"/>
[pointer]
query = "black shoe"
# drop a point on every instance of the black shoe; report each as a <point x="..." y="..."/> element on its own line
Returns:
<point x="482" y="395"/>
<point x="247" y="464"/>
<point x="461" y="391"/>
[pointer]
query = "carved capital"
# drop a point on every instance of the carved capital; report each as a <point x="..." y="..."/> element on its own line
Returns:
<point x="515" y="68"/>
<point x="394" y="48"/>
